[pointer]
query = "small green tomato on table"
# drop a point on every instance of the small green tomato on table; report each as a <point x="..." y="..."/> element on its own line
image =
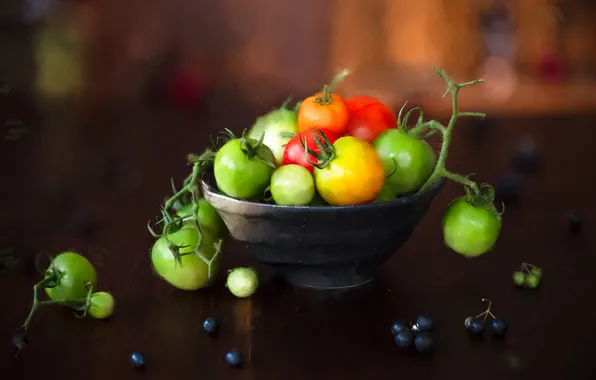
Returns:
<point x="242" y="282"/>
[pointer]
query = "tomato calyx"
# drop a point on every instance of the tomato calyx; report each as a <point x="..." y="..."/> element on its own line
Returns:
<point x="326" y="152"/>
<point x="325" y="97"/>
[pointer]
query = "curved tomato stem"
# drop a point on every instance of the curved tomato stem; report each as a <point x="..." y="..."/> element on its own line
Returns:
<point x="325" y="97"/>
<point x="453" y="90"/>
<point x="326" y="150"/>
<point x="51" y="281"/>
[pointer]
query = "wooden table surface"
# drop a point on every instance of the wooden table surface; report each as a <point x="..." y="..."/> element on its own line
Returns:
<point x="110" y="173"/>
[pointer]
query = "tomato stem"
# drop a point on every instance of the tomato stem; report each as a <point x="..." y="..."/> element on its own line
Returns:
<point x="77" y="304"/>
<point x="326" y="150"/>
<point x="453" y="90"/>
<point x="325" y="98"/>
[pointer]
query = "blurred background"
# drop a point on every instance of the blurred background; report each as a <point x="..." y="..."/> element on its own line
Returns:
<point x="115" y="90"/>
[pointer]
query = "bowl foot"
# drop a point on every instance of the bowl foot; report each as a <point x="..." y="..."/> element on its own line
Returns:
<point x="331" y="279"/>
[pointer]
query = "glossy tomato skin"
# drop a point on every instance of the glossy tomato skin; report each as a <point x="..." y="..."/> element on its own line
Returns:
<point x="368" y="118"/>
<point x="237" y="175"/>
<point x="470" y="230"/>
<point x="333" y="116"/>
<point x="355" y="176"/>
<point x="75" y="272"/>
<point x="292" y="185"/>
<point x="414" y="160"/>
<point x="294" y="151"/>
<point x="193" y="273"/>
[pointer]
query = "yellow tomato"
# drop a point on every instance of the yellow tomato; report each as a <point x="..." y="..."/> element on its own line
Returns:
<point x="355" y="175"/>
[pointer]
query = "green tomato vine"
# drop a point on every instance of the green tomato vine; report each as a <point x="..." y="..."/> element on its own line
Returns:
<point x="190" y="194"/>
<point x="80" y="305"/>
<point x="474" y="192"/>
<point x="171" y="222"/>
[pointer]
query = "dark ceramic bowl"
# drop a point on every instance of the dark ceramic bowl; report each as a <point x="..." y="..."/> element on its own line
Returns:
<point x="321" y="246"/>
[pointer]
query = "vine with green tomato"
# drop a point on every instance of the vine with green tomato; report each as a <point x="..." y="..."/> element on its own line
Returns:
<point x="424" y="129"/>
<point x="171" y="222"/>
<point x="190" y="193"/>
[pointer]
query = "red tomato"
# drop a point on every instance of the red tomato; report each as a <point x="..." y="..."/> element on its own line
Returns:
<point x="294" y="150"/>
<point x="368" y="118"/>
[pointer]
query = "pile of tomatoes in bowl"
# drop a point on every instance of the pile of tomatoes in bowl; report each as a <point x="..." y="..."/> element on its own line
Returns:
<point x="325" y="151"/>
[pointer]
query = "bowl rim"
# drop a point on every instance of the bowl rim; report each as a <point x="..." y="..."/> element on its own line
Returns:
<point x="209" y="190"/>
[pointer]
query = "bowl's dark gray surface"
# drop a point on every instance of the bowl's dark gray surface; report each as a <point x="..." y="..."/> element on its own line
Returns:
<point x="321" y="246"/>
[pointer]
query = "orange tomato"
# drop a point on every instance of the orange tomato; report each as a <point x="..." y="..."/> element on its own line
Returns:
<point x="368" y="118"/>
<point x="354" y="174"/>
<point x="323" y="111"/>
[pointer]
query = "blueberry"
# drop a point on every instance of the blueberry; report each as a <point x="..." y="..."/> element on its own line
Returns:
<point x="20" y="339"/>
<point x="508" y="188"/>
<point x="424" y="342"/>
<point x="137" y="360"/>
<point x="575" y="222"/>
<point x="477" y="326"/>
<point x="404" y="338"/>
<point x="499" y="327"/>
<point x="398" y="326"/>
<point x="234" y="358"/>
<point x="526" y="156"/>
<point x="425" y="323"/>
<point x="210" y="325"/>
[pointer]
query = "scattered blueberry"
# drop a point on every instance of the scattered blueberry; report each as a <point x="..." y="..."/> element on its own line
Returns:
<point x="20" y="339"/>
<point x="575" y="222"/>
<point x="425" y="323"/>
<point x="398" y="326"/>
<point x="210" y="325"/>
<point x="499" y="327"/>
<point x="508" y="188"/>
<point x="424" y="342"/>
<point x="477" y="326"/>
<point x="404" y="338"/>
<point x="234" y="358"/>
<point x="137" y="360"/>
<point x="526" y="156"/>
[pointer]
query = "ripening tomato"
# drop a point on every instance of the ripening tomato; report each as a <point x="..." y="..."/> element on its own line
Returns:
<point x="294" y="150"/>
<point x="353" y="174"/>
<point x="323" y="111"/>
<point x="368" y="118"/>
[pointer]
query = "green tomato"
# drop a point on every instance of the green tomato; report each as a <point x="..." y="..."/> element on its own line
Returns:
<point x="209" y="218"/>
<point x="101" y="305"/>
<point x="239" y="175"/>
<point x="387" y="194"/>
<point x="532" y="280"/>
<point x="73" y="273"/>
<point x="470" y="230"/>
<point x="408" y="161"/>
<point x="292" y="185"/>
<point x="192" y="272"/>
<point x="519" y="278"/>
<point x="242" y="282"/>
<point x="275" y="125"/>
